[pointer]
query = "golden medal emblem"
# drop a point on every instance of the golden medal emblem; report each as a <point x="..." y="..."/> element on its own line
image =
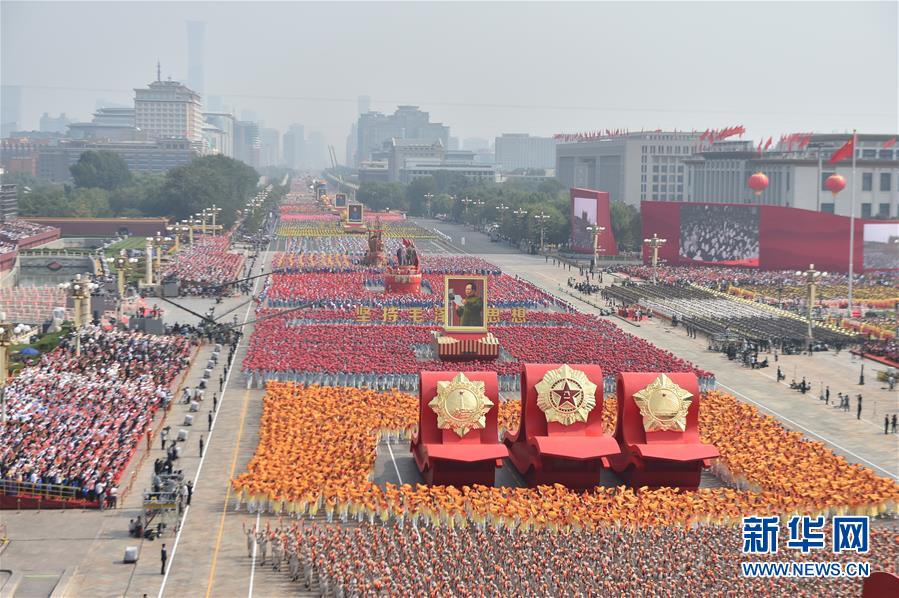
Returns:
<point x="663" y="405"/>
<point x="461" y="405"/>
<point x="566" y="395"/>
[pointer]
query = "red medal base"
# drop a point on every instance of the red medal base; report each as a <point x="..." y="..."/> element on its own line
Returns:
<point x="465" y="346"/>
<point x="659" y="458"/>
<point x="551" y="453"/>
<point x="444" y="458"/>
<point x="403" y="280"/>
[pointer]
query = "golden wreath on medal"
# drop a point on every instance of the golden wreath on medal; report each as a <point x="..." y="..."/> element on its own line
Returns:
<point x="566" y="395"/>
<point x="663" y="405"/>
<point x="461" y="405"/>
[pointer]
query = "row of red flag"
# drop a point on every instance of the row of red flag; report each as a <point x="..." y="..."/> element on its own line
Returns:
<point x="848" y="149"/>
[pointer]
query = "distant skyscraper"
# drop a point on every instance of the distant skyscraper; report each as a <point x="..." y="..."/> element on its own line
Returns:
<point x="295" y="147"/>
<point x="271" y="147"/>
<point x="364" y="104"/>
<point x="316" y="158"/>
<point x="247" y="143"/>
<point x="453" y="144"/>
<point x="10" y="109"/>
<point x="516" y="151"/>
<point x="351" y="141"/>
<point x="408" y="122"/>
<point x="195" y="77"/>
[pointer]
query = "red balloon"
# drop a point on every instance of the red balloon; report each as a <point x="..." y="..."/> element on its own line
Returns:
<point x="835" y="183"/>
<point x="758" y="182"/>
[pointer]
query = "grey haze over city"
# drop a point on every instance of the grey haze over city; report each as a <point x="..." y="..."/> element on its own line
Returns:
<point x="481" y="68"/>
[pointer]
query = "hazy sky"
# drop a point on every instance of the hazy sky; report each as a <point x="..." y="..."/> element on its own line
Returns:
<point x="481" y="68"/>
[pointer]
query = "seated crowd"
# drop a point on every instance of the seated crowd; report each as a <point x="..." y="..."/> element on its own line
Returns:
<point x="205" y="266"/>
<point x="76" y="421"/>
<point x="771" y="284"/>
<point x="13" y="231"/>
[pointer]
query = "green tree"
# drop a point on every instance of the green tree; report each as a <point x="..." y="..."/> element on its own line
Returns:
<point x="415" y="195"/>
<point x="46" y="200"/>
<point x="89" y="203"/>
<point x="380" y="196"/>
<point x="103" y="169"/>
<point x="626" y="225"/>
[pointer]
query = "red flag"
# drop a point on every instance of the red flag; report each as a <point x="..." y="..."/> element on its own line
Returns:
<point x="760" y="148"/>
<point x="844" y="152"/>
<point x="769" y="142"/>
<point x="889" y="143"/>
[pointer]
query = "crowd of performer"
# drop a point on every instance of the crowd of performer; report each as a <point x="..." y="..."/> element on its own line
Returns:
<point x="76" y="420"/>
<point x="384" y="560"/>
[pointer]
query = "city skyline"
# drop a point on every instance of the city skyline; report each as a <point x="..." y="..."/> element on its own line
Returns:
<point x="695" y="86"/>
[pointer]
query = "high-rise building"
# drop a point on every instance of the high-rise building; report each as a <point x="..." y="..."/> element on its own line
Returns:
<point x="50" y="124"/>
<point x="247" y="142"/>
<point x="519" y="151"/>
<point x="408" y="122"/>
<point x="363" y="105"/>
<point x="195" y="76"/>
<point x="168" y="109"/>
<point x="316" y="151"/>
<point x="295" y="147"/>
<point x="222" y="142"/>
<point x="351" y="140"/>
<point x="271" y="147"/>
<point x="10" y="109"/>
<point x="9" y="202"/>
<point x="632" y="167"/>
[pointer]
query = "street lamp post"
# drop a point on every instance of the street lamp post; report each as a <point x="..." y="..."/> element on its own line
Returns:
<point x="541" y="218"/>
<point x="521" y="213"/>
<point x="158" y="240"/>
<point x="655" y="242"/>
<point x="596" y="230"/>
<point x="6" y="336"/>
<point x="213" y="211"/>
<point x="148" y="277"/>
<point x="123" y="264"/>
<point x="428" y="197"/>
<point x="80" y="291"/>
<point x="811" y="280"/>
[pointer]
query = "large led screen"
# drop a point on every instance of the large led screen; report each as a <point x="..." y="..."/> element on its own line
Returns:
<point x="583" y="215"/>
<point x="881" y="246"/>
<point x="719" y="234"/>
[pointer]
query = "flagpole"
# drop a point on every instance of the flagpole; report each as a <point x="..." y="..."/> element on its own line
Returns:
<point x="852" y="220"/>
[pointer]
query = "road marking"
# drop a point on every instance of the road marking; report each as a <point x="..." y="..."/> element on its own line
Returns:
<point x="395" y="468"/>
<point x="253" y="560"/>
<point x="806" y="430"/>
<point x="183" y="523"/>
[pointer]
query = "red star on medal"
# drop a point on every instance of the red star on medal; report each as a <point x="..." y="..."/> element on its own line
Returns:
<point x="566" y="395"/>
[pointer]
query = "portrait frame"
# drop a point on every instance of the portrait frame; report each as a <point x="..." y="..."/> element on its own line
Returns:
<point x="355" y="207"/>
<point x="340" y="200"/>
<point x="453" y="285"/>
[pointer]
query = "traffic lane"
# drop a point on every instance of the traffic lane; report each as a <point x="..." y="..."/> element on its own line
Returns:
<point x="475" y="243"/>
